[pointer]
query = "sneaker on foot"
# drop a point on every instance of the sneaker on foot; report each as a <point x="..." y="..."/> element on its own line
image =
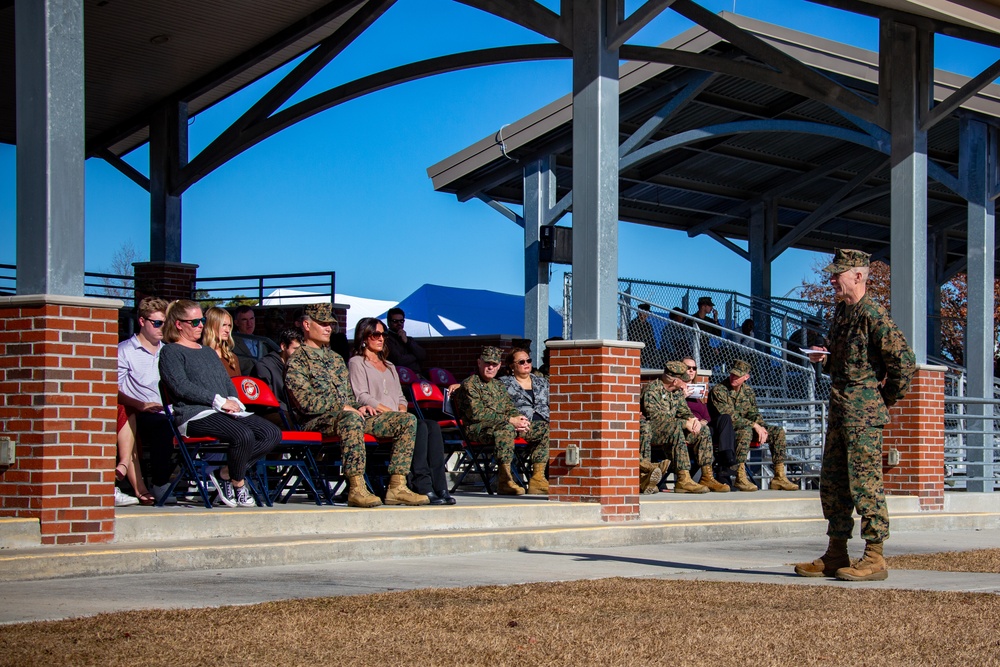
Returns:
<point x="243" y="496"/>
<point x="123" y="499"/>
<point x="225" y="488"/>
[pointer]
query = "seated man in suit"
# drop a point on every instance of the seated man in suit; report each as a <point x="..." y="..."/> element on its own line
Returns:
<point x="247" y="347"/>
<point x="669" y="421"/>
<point x="483" y="404"/>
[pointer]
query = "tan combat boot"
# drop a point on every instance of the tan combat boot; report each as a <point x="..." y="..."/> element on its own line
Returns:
<point x="685" y="484"/>
<point x="399" y="494"/>
<point x="649" y="476"/>
<point x="826" y="565"/>
<point x="780" y="482"/>
<point x="871" y="567"/>
<point x="537" y="484"/>
<point x="506" y="486"/>
<point x="742" y="481"/>
<point x="358" y="495"/>
<point x="707" y="479"/>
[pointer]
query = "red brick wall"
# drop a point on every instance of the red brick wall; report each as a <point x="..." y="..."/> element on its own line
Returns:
<point x="593" y="399"/>
<point x="167" y="280"/>
<point x="917" y="431"/>
<point x="458" y="354"/>
<point x="58" y="388"/>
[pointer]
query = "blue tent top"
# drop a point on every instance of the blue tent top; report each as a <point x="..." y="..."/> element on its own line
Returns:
<point x="454" y="311"/>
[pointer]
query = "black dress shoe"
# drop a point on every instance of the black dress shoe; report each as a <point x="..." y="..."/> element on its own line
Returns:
<point x="442" y="498"/>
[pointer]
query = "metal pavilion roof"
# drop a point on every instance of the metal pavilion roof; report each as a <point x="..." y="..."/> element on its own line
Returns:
<point x="705" y="186"/>
<point x="139" y="55"/>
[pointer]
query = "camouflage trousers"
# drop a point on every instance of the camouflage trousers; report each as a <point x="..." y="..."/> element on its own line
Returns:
<point x="851" y="479"/>
<point x="670" y="433"/>
<point x="502" y="438"/>
<point x="775" y="441"/>
<point x="350" y="427"/>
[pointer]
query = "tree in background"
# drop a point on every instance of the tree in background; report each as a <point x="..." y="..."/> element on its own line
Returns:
<point x="120" y="284"/>
<point x="954" y="305"/>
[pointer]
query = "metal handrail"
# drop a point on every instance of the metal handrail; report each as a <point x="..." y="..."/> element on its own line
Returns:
<point x="261" y="279"/>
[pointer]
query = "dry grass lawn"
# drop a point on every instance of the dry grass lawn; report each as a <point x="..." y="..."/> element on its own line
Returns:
<point x="605" y="622"/>
<point x="984" y="560"/>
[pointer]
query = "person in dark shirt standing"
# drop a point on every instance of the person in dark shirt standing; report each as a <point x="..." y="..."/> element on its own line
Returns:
<point x="641" y="330"/>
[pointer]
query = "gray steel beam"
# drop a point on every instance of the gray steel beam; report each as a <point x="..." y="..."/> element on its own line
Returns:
<point x="168" y="153"/>
<point x="937" y="255"/>
<point x="539" y="198"/>
<point x="501" y="209"/>
<point x="960" y="96"/>
<point x="909" y="81"/>
<point x="595" y="171"/>
<point x="975" y="139"/>
<point x="694" y="84"/>
<point x="528" y="14"/>
<point x="125" y="168"/>
<point x="638" y="19"/>
<point x="50" y="146"/>
<point x="763" y="218"/>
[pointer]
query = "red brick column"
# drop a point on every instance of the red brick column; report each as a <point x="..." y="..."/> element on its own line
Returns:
<point x="58" y="388"/>
<point x="594" y="403"/>
<point x="917" y="433"/>
<point x="167" y="280"/>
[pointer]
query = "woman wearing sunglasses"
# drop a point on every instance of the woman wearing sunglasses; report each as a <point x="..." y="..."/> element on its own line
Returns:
<point x="376" y="384"/>
<point x="530" y="394"/>
<point x="218" y="336"/>
<point x="203" y="402"/>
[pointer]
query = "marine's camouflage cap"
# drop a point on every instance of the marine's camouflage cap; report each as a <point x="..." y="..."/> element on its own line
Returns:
<point x="320" y="312"/>
<point x="844" y="260"/>
<point x="491" y="355"/>
<point x="676" y="369"/>
<point x="739" y="368"/>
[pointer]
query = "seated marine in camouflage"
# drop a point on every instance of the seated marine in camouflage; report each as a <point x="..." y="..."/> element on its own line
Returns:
<point x="735" y="398"/>
<point x="489" y="415"/>
<point x="319" y="388"/>
<point x="669" y="422"/>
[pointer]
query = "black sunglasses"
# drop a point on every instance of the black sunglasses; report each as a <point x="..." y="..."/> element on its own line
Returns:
<point x="156" y="323"/>
<point x="397" y="320"/>
<point x="196" y="322"/>
<point x="376" y="334"/>
<point x="523" y="362"/>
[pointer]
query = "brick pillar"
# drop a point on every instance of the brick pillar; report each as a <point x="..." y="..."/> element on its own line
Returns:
<point x="594" y="403"/>
<point x="58" y="388"/>
<point x="917" y="432"/>
<point x="167" y="280"/>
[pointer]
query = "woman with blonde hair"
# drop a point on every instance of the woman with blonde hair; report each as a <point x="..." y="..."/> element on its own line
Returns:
<point x="218" y="336"/>
<point x="204" y="403"/>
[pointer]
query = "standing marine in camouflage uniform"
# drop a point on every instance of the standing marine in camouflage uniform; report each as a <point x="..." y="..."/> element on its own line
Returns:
<point x="318" y="385"/>
<point x="735" y="398"/>
<point x="870" y="366"/>
<point x="489" y="416"/>
<point x="670" y="423"/>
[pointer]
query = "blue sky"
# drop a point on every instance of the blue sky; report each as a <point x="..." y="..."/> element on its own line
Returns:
<point x="347" y="190"/>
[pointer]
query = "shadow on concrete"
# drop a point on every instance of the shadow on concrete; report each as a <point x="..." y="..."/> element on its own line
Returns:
<point x="655" y="563"/>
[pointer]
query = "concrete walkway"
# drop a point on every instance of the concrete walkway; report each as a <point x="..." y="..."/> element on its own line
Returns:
<point x="754" y="560"/>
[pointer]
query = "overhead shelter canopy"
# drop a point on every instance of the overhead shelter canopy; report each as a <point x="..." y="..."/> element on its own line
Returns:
<point x="731" y="143"/>
<point x="141" y="55"/>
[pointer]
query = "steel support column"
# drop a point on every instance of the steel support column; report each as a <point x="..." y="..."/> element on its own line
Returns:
<point x="762" y="222"/>
<point x="539" y="198"/>
<point x="168" y="154"/>
<point x="937" y="256"/>
<point x="909" y="66"/>
<point x="974" y="161"/>
<point x="50" y="146"/>
<point x="595" y="171"/>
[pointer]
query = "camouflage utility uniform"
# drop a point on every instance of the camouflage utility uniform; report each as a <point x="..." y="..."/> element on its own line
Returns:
<point x="317" y="382"/>
<point x="486" y="409"/>
<point x="741" y="406"/>
<point x="665" y="413"/>
<point x="865" y="347"/>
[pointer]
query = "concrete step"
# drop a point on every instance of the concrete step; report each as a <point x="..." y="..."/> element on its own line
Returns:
<point x="140" y="525"/>
<point x="17" y="533"/>
<point x="199" y="539"/>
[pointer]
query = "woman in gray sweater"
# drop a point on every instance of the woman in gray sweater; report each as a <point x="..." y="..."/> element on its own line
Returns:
<point x="203" y="402"/>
